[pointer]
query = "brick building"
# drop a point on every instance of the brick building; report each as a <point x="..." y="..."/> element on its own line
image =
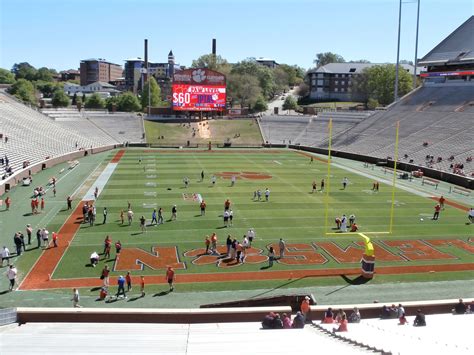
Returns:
<point x="94" y="70"/>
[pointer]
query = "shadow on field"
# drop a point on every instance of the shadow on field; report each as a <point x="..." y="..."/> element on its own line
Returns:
<point x="162" y="293"/>
<point x="359" y="280"/>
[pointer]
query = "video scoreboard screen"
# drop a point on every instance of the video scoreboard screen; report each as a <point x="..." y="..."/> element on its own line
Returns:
<point x="199" y="89"/>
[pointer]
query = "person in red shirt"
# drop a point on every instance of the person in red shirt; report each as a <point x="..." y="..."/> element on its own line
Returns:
<point x="36" y="205"/>
<point x="436" y="213"/>
<point x="441" y="202"/>
<point x="170" y="277"/>
<point x="33" y="206"/>
<point x="8" y="202"/>
<point x="342" y="325"/>
<point x="128" y="278"/>
<point x="118" y="248"/>
<point x="55" y="239"/>
<point x="42" y="203"/>
<point x="354" y="227"/>
<point x="142" y="286"/>
<point x="203" y="208"/>
<point x="207" y="242"/>
<point x="226" y="204"/>
<point x="314" y="187"/>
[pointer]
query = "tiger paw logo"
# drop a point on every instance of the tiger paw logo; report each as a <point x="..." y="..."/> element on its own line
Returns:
<point x="199" y="75"/>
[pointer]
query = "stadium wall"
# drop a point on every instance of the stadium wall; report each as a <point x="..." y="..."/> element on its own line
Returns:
<point x="18" y="177"/>
<point x="432" y="173"/>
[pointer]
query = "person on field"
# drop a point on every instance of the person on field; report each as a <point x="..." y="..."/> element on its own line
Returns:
<point x="170" y="277"/>
<point x="174" y="213"/>
<point x="207" y="243"/>
<point x="345" y="181"/>
<point x="142" y="286"/>
<point x="202" y="206"/>
<point x="153" y="217"/>
<point x="128" y="278"/>
<point x="122" y="216"/>
<point x="11" y="275"/>
<point x="130" y="217"/>
<point x="5" y="255"/>
<point x="437" y="208"/>
<point x="271" y="257"/>
<point x="121" y="287"/>
<point x="160" y="215"/>
<point x="69" y="202"/>
<point x="143" y="224"/>
<point x="315" y="187"/>
<point x="94" y="258"/>
<point x="441" y="202"/>
<point x="29" y="232"/>
<point x="470" y="215"/>
<point x="105" y="275"/>
<point x="214" y="243"/>
<point x="343" y="223"/>
<point x="282" y="246"/>
<point x="322" y="185"/>
<point x="75" y="298"/>
<point x="104" y="213"/>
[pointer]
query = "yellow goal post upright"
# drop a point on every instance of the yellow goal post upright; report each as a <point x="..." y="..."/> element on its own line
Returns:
<point x="328" y="185"/>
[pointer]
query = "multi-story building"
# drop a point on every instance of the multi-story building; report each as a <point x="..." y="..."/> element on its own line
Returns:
<point x="162" y="72"/>
<point x="70" y="74"/>
<point x="93" y="70"/>
<point x="333" y="81"/>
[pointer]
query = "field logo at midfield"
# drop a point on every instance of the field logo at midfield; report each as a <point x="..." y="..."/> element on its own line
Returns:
<point x="248" y="175"/>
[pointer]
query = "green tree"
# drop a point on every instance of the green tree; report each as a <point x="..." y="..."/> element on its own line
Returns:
<point x="378" y="82"/>
<point x="60" y="99"/>
<point x="290" y="103"/>
<point x="6" y="76"/>
<point x="128" y="102"/>
<point x="44" y="74"/>
<point x="295" y="74"/>
<point x="326" y="58"/>
<point x="24" y="71"/>
<point x="95" y="101"/>
<point x="110" y="102"/>
<point x="263" y="74"/>
<point x="260" y="105"/>
<point x="155" y="94"/>
<point x="24" y="90"/>
<point x="244" y="89"/>
<point x="46" y="88"/>
<point x="212" y="62"/>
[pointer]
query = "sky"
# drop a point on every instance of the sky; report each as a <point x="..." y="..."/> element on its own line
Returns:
<point x="59" y="33"/>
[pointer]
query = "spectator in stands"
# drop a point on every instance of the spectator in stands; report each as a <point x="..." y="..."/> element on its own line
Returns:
<point x="342" y="325"/>
<point x="400" y="310"/>
<point x="460" y="307"/>
<point x="305" y="308"/>
<point x="385" y="312"/>
<point x="287" y="323"/>
<point x="340" y="315"/>
<point x="393" y="311"/>
<point x="355" y="316"/>
<point x="328" y="316"/>
<point x="277" y="322"/>
<point x="420" y="320"/>
<point x="267" y="322"/>
<point x="298" y="321"/>
<point x="402" y="320"/>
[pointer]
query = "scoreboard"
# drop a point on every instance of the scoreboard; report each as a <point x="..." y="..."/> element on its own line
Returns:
<point x="199" y="90"/>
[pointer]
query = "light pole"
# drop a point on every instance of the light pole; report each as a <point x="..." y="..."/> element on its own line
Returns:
<point x="416" y="44"/>
<point x="398" y="51"/>
<point x="149" y="86"/>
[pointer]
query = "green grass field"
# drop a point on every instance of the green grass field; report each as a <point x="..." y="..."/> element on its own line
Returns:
<point x="293" y="213"/>
<point x="238" y="132"/>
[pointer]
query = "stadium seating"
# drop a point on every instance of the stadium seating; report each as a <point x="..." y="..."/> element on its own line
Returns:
<point x="33" y="136"/>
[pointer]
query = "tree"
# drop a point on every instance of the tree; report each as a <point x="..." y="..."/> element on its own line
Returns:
<point x="290" y="103"/>
<point x="244" y="88"/>
<point x="6" y="76"/>
<point x="212" y="62"/>
<point x="128" y="102"/>
<point x="360" y="61"/>
<point x="24" y="90"/>
<point x="372" y="104"/>
<point x="405" y="61"/>
<point x="95" y="101"/>
<point x="60" y="99"/>
<point x="326" y="58"/>
<point x="263" y="74"/>
<point x="302" y="90"/>
<point x="377" y="82"/>
<point x="46" y="88"/>
<point x="295" y="73"/>
<point x="155" y="93"/>
<point x="260" y="105"/>
<point x="44" y="74"/>
<point x="24" y="71"/>
<point x="74" y="99"/>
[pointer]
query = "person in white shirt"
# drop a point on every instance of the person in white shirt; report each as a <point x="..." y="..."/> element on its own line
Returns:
<point x="343" y="223"/>
<point x="6" y="255"/>
<point x="470" y="215"/>
<point x="11" y="274"/>
<point x="345" y="181"/>
<point x="94" y="258"/>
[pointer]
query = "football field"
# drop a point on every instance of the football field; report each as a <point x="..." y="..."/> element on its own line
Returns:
<point x="152" y="179"/>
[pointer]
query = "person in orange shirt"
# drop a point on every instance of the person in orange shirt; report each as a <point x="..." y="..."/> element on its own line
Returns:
<point x="354" y="227"/>
<point x="214" y="243"/>
<point x="33" y="206"/>
<point x="342" y="325"/>
<point x="305" y="308"/>
<point x="170" y="277"/>
<point x="437" y="208"/>
<point x="42" y="203"/>
<point x="226" y="205"/>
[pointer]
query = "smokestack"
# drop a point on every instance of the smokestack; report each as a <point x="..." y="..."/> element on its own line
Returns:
<point x="214" y="47"/>
<point x="145" y="76"/>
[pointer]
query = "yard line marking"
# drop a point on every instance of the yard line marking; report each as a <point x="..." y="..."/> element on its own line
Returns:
<point x="277" y="162"/>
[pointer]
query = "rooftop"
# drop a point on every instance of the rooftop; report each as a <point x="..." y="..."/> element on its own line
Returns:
<point x="457" y="48"/>
<point x="354" y="68"/>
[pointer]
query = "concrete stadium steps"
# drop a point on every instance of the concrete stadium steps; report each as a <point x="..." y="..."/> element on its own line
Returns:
<point x="139" y="338"/>
<point x="443" y="98"/>
<point x="33" y="136"/>
<point x="444" y="334"/>
<point x="121" y="126"/>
